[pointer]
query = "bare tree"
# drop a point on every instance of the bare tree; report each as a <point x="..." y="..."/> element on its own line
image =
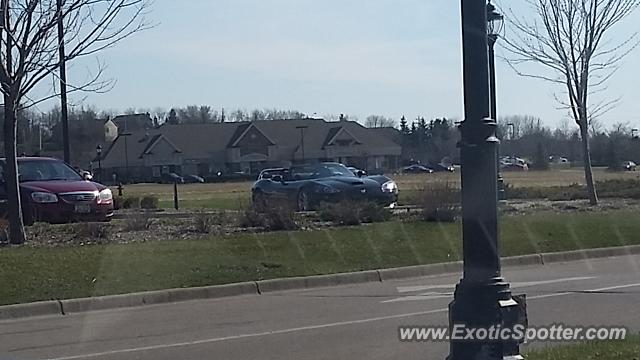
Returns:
<point x="569" y="39"/>
<point x="29" y="49"/>
<point x="378" y="121"/>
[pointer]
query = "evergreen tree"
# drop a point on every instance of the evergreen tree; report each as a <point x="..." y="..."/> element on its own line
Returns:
<point x="404" y="128"/>
<point x="172" y="119"/>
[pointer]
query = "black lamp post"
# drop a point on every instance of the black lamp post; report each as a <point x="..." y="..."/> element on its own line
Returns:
<point x="482" y="298"/>
<point x="99" y="156"/>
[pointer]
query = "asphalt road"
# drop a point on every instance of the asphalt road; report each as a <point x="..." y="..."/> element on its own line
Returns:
<point x="349" y="322"/>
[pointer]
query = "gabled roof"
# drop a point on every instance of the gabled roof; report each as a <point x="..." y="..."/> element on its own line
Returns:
<point x="242" y="131"/>
<point x="333" y="135"/>
<point x="155" y="140"/>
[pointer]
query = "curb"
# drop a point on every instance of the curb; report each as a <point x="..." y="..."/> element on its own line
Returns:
<point x="42" y="308"/>
<point x="155" y="297"/>
<point x="267" y="286"/>
<point x="71" y="306"/>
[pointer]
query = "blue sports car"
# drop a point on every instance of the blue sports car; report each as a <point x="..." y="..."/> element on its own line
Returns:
<point x="307" y="186"/>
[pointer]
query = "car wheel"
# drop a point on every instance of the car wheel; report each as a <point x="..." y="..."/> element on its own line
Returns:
<point x="259" y="201"/>
<point x="303" y="202"/>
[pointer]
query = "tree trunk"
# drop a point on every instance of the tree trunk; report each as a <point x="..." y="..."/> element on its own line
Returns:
<point x="16" y="225"/>
<point x="586" y="155"/>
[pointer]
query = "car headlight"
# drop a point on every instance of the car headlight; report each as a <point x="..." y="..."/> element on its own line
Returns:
<point x="105" y="196"/>
<point x="44" y="198"/>
<point x="390" y="187"/>
<point x="327" y="190"/>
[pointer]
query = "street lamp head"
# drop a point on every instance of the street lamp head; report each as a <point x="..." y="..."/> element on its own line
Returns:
<point x="99" y="150"/>
<point x="495" y="20"/>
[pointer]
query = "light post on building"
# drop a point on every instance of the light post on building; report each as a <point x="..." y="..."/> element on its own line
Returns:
<point x="482" y="298"/>
<point x="99" y="157"/>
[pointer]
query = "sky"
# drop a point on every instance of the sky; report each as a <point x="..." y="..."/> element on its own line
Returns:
<point x="357" y="57"/>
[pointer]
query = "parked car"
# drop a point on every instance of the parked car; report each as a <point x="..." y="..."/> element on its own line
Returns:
<point x="357" y="172"/>
<point x="193" y="179"/>
<point x="307" y="186"/>
<point x="52" y="191"/>
<point x="417" y="169"/>
<point x="514" y="167"/>
<point x="440" y="167"/>
<point x="629" y="166"/>
<point x="171" y="178"/>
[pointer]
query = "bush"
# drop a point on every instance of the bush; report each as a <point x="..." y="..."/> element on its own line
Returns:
<point x="149" y="202"/>
<point x="274" y="218"/>
<point x="250" y="218"/>
<point x="343" y="213"/>
<point x="281" y="218"/>
<point x="138" y="222"/>
<point x="349" y="213"/>
<point x="440" y="202"/>
<point x="93" y="230"/>
<point x="204" y="221"/>
<point x="130" y="202"/>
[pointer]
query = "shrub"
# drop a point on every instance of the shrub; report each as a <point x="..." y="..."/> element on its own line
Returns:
<point x="343" y="213"/>
<point x="250" y="218"/>
<point x="350" y="213"/>
<point x="138" y="222"/>
<point x="93" y="230"/>
<point x="440" y="202"/>
<point x="274" y="218"/>
<point x="130" y="202"/>
<point x="149" y="202"/>
<point x="371" y="212"/>
<point x="204" y="221"/>
<point x="281" y="218"/>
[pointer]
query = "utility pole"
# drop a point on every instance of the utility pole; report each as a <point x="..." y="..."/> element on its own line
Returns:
<point x="482" y="298"/>
<point x="63" y="85"/>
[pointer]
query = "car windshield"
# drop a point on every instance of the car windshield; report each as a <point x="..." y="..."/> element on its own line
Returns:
<point x="46" y="170"/>
<point x="319" y="171"/>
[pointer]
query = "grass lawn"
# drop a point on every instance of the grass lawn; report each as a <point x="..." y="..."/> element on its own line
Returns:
<point x="628" y="349"/>
<point x="233" y="196"/>
<point x="29" y="274"/>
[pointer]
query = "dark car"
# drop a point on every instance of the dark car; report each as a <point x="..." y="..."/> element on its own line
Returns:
<point x="193" y="179"/>
<point x="307" y="186"/>
<point x="52" y="191"/>
<point x="357" y="172"/>
<point x="171" y="178"/>
<point x="440" y="167"/>
<point x="417" y="169"/>
<point x="514" y="167"/>
<point x="629" y="166"/>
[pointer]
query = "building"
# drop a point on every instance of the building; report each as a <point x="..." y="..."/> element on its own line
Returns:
<point x="248" y="147"/>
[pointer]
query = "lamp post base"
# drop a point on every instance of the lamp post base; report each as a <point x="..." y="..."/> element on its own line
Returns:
<point x="485" y="309"/>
